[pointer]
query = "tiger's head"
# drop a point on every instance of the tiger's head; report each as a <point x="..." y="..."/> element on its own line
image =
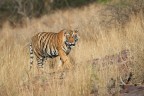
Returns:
<point x="71" y="37"/>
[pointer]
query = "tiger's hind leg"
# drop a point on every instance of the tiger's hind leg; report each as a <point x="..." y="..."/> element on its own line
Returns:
<point x="40" y="65"/>
<point x="40" y="62"/>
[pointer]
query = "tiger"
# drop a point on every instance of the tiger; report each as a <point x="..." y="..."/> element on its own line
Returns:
<point x="50" y="45"/>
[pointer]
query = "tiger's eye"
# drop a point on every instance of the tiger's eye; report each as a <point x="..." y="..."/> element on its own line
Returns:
<point x="75" y="36"/>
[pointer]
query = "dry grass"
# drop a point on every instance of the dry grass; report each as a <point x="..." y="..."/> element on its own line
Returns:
<point x="95" y="42"/>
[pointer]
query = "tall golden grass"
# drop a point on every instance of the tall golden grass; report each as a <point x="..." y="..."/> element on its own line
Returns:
<point x="95" y="42"/>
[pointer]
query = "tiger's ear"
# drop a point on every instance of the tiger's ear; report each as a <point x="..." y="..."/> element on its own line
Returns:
<point x="65" y="32"/>
<point x="76" y="30"/>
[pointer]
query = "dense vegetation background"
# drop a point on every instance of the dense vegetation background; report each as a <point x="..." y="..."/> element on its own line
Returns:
<point x="16" y="10"/>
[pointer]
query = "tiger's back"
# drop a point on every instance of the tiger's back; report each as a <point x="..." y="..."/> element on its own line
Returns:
<point x="45" y="44"/>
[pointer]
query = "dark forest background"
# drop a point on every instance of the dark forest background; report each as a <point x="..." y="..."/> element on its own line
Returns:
<point x="15" y="10"/>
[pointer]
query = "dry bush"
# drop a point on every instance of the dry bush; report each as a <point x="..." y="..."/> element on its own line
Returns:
<point x="119" y="12"/>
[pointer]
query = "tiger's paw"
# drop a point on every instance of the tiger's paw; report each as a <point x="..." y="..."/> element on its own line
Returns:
<point x="41" y="71"/>
<point x="68" y="66"/>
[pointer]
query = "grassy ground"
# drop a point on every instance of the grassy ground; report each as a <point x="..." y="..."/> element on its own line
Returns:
<point x="96" y="41"/>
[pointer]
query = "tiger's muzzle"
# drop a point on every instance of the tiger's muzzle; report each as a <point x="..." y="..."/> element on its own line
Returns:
<point x="70" y="44"/>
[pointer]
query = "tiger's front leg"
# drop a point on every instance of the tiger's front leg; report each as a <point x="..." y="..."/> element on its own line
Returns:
<point x="66" y="64"/>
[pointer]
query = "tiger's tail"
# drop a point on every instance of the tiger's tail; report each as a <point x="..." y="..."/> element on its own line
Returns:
<point x="31" y="55"/>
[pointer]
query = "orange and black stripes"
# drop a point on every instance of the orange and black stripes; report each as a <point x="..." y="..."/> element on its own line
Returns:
<point x="44" y="46"/>
<point x="48" y="44"/>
